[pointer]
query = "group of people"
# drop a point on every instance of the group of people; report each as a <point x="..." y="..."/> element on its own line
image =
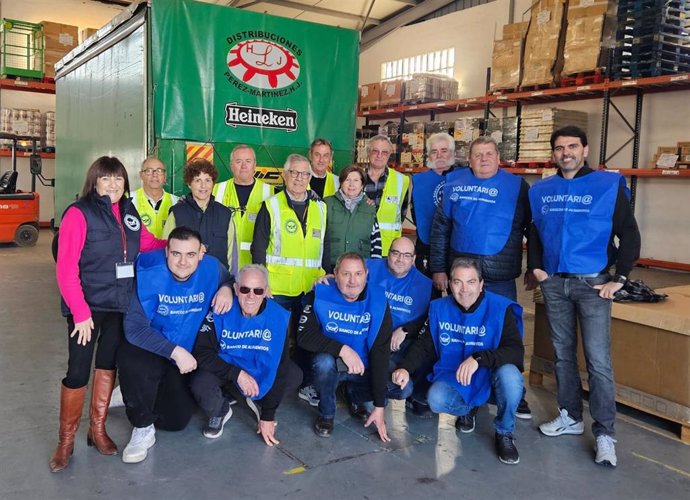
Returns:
<point x="236" y="291"/>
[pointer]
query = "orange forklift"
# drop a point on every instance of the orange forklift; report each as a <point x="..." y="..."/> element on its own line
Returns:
<point x="19" y="210"/>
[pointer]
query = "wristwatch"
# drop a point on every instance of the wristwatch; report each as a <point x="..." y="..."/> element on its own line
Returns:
<point x="619" y="278"/>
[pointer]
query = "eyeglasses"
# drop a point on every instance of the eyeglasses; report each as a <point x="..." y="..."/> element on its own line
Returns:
<point x="244" y="290"/>
<point x="395" y="254"/>
<point x="296" y="174"/>
<point x="153" y="171"/>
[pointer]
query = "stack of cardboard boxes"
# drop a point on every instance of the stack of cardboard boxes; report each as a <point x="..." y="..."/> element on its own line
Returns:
<point x="466" y="130"/>
<point x="369" y="96"/>
<point x="507" y="57"/>
<point x="427" y="87"/>
<point x="591" y="27"/>
<point x="59" y="40"/>
<point x="412" y="146"/>
<point x="677" y="156"/>
<point x="543" y="44"/>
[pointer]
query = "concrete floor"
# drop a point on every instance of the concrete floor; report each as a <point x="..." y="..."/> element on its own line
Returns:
<point x="427" y="458"/>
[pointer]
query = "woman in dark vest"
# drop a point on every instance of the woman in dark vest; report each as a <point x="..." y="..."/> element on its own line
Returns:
<point x="100" y="237"/>
<point x="198" y="210"/>
<point x="351" y="224"/>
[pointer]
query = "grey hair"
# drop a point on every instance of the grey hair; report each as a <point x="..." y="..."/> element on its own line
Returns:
<point x="151" y="158"/>
<point x="379" y="137"/>
<point x="253" y="267"/>
<point x="242" y="146"/>
<point x="438" y="137"/>
<point x="466" y="263"/>
<point x="294" y="158"/>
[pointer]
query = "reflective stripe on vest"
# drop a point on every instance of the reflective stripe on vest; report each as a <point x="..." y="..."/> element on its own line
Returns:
<point x="389" y="213"/>
<point x="226" y="194"/>
<point x="154" y="221"/>
<point x="293" y="259"/>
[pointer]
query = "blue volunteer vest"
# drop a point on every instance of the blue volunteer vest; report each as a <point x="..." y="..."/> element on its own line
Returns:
<point x="482" y="211"/>
<point x="457" y="335"/>
<point x="176" y="308"/>
<point x="426" y="196"/>
<point x="254" y="344"/>
<point x="355" y="324"/>
<point x="574" y="219"/>
<point x="408" y="297"/>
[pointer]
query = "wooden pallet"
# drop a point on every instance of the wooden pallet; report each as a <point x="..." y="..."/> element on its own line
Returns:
<point x="585" y="78"/>
<point x="539" y="86"/>
<point x="647" y="403"/>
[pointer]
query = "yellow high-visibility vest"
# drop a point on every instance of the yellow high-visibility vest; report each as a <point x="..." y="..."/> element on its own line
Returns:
<point x="154" y="221"/>
<point x="331" y="186"/>
<point x="293" y="259"/>
<point x="226" y="194"/>
<point x="389" y="213"/>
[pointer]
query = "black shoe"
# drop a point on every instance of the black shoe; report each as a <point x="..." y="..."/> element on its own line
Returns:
<point x="358" y="411"/>
<point x="466" y="422"/>
<point x="505" y="447"/>
<point x="523" y="410"/>
<point x="323" y="427"/>
<point x="214" y="427"/>
<point x="418" y="409"/>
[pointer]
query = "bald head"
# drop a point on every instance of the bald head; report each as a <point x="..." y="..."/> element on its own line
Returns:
<point x="401" y="257"/>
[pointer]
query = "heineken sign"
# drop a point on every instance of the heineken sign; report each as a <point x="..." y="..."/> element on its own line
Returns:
<point x="226" y="76"/>
<point x="251" y="116"/>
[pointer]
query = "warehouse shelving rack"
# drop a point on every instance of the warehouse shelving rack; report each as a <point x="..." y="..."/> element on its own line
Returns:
<point x="606" y="91"/>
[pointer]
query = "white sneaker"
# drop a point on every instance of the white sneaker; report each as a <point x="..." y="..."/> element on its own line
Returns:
<point x="116" y="400"/>
<point x="137" y="448"/>
<point x="606" y="451"/>
<point x="562" y="424"/>
<point x="309" y="394"/>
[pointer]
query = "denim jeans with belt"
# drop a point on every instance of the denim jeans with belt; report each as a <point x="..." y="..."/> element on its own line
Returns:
<point x="506" y="391"/>
<point x="327" y="377"/>
<point x="570" y="301"/>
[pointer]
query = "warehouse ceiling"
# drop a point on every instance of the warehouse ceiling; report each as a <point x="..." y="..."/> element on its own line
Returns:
<point x="374" y="18"/>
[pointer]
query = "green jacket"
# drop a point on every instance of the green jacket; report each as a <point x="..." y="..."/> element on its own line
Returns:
<point x="351" y="232"/>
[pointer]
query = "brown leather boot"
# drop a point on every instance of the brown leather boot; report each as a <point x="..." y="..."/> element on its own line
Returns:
<point x="102" y="389"/>
<point x="71" y="405"/>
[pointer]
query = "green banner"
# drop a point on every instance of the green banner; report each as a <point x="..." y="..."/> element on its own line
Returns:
<point x="224" y="75"/>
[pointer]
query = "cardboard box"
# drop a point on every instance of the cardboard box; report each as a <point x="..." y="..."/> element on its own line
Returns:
<point x="59" y="40"/>
<point x="390" y="93"/>
<point x="515" y="31"/>
<point x="683" y="145"/>
<point x="650" y="346"/>
<point x="544" y="42"/>
<point x="369" y="96"/>
<point x="506" y="64"/>
<point x="672" y="150"/>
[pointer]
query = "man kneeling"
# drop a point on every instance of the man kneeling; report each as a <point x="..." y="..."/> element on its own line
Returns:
<point x="347" y="324"/>
<point x="174" y="291"/>
<point x="476" y="339"/>
<point x="247" y="346"/>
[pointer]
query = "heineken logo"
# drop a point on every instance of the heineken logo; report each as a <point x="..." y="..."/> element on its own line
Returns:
<point x="253" y="116"/>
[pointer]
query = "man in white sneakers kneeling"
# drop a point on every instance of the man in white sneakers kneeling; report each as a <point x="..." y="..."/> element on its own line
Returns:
<point x="175" y="288"/>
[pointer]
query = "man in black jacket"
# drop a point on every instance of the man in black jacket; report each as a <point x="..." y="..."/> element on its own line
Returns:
<point x="578" y="214"/>
<point x="347" y="325"/>
<point x="484" y="215"/>
<point x="475" y="339"/>
<point x="248" y="347"/>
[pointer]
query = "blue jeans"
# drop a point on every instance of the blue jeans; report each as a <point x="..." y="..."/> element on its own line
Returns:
<point x="570" y="301"/>
<point x="327" y="378"/>
<point x="506" y="392"/>
<point x="506" y="288"/>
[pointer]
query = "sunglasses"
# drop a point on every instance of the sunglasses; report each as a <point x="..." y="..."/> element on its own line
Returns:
<point x="244" y="290"/>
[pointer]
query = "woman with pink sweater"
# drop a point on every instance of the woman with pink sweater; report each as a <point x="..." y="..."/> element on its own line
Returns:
<point x="100" y="237"/>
